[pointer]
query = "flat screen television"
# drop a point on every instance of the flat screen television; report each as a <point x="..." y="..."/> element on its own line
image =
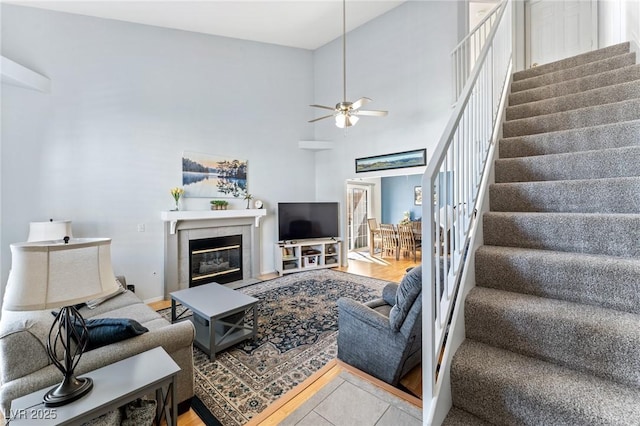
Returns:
<point x="299" y="221"/>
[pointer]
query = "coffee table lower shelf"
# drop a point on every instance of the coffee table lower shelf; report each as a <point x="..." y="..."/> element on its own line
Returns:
<point x="223" y="332"/>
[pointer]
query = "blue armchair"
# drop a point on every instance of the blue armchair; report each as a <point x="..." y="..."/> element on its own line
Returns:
<point x="383" y="337"/>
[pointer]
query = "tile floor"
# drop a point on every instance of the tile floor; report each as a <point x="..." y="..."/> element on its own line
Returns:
<point x="351" y="401"/>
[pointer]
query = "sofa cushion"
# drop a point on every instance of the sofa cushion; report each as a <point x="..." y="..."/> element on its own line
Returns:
<point x="23" y="333"/>
<point x="94" y="303"/>
<point x="410" y="288"/>
<point x="135" y="311"/>
<point x="121" y="300"/>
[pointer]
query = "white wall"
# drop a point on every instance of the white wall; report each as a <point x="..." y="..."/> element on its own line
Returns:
<point x="632" y="23"/>
<point x="401" y="61"/>
<point x="479" y="10"/>
<point x="4" y="250"/>
<point x="618" y="21"/>
<point x="609" y="29"/>
<point x="104" y="147"/>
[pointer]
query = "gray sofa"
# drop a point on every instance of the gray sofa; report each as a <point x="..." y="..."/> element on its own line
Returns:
<point x="25" y="366"/>
<point x="383" y="337"/>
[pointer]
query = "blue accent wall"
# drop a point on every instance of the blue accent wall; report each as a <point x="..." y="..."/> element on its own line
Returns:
<point x="397" y="198"/>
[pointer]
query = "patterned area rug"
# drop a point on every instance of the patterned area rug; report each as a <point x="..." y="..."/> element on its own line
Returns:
<point x="297" y="332"/>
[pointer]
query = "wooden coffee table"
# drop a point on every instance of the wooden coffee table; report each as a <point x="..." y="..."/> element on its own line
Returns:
<point x="219" y="315"/>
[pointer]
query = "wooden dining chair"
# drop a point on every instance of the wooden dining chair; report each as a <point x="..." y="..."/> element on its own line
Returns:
<point x="417" y="227"/>
<point x="375" y="237"/>
<point x="408" y="243"/>
<point x="390" y="243"/>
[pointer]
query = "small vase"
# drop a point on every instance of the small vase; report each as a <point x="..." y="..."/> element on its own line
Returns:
<point x="178" y="204"/>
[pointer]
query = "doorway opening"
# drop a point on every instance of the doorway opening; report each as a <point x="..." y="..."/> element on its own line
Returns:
<point x="358" y="211"/>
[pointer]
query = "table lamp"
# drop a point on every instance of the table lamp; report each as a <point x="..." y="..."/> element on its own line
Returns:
<point x="61" y="274"/>
<point x="50" y="230"/>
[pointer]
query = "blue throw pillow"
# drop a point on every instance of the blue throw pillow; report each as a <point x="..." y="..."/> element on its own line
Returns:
<point x="104" y="331"/>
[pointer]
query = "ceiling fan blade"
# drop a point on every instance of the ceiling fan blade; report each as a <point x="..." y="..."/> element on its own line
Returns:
<point x="372" y="113"/>
<point x="322" y="106"/>
<point x="357" y="104"/>
<point x="321" y="118"/>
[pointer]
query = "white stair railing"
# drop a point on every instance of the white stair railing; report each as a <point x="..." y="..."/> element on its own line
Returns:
<point x="465" y="54"/>
<point x="454" y="174"/>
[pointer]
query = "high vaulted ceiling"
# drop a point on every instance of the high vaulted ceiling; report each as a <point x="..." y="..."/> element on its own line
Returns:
<point x="306" y="24"/>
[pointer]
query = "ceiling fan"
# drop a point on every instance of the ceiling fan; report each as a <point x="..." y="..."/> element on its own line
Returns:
<point x="346" y="113"/>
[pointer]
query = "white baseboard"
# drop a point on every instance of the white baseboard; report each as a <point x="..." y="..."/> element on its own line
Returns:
<point x="154" y="299"/>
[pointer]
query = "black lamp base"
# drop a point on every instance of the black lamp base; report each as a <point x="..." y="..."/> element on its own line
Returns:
<point x="67" y="328"/>
<point x="68" y="391"/>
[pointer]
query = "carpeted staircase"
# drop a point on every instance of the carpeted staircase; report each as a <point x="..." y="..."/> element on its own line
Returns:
<point x="553" y="325"/>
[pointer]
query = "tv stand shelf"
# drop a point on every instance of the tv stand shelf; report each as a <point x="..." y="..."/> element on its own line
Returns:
<point x="305" y="255"/>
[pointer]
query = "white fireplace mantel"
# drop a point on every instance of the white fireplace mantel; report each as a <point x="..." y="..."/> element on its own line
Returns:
<point x="181" y="227"/>
<point x="176" y="216"/>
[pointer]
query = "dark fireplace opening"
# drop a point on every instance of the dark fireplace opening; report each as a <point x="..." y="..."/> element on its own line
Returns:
<point x="216" y="259"/>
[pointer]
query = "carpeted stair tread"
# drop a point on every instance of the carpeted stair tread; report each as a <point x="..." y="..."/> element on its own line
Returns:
<point x="596" y="164"/>
<point x="506" y="388"/>
<point x="610" y="195"/>
<point x="573" y="61"/>
<point x="610" y="282"/>
<point x="577" y="85"/>
<point x="585" y="70"/>
<point x="613" y="135"/>
<point x="457" y="417"/>
<point x="585" y="338"/>
<point x="599" y="96"/>
<point x="582" y="117"/>
<point x="606" y="234"/>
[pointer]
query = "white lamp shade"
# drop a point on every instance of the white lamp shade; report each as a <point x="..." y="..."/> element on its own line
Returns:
<point x="49" y="231"/>
<point x="46" y="275"/>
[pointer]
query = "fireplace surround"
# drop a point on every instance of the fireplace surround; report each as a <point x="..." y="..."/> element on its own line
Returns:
<point x="184" y="226"/>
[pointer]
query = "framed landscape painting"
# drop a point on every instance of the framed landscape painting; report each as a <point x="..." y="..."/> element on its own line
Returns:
<point x="210" y="176"/>
<point x="398" y="160"/>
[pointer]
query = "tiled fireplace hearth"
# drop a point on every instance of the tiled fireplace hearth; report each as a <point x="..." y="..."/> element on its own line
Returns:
<point x="181" y="227"/>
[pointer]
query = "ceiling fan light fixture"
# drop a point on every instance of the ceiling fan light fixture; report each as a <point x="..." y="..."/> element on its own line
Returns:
<point x="345" y="111"/>
<point x="346" y="120"/>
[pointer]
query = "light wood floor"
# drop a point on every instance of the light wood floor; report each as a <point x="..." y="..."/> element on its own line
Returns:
<point x="384" y="268"/>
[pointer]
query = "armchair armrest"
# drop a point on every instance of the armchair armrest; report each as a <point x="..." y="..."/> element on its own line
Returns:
<point x="362" y="313"/>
